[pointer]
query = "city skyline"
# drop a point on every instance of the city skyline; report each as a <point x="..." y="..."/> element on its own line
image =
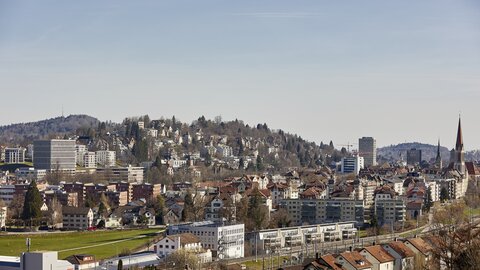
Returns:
<point x="399" y="72"/>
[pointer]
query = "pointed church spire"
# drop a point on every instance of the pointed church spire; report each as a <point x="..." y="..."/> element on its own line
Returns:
<point x="459" y="145"/>
<point x="438" y="159"/>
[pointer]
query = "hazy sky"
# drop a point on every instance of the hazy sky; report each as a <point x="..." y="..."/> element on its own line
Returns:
<point x="395" y="70"/>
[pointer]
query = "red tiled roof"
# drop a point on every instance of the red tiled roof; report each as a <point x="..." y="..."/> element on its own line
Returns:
<point x="401" y="249"/>
<point x="379" y="253"/>
<point x="356" y="260"/>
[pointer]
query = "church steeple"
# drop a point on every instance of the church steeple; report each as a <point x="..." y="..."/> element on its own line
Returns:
<point x="438" y="159"/>
<point x="459" y="144"/>
<point x="459" y="154"/>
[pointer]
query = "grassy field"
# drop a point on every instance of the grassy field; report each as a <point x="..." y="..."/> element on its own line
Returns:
<point x="258" y="265"/>
<point x="105" y="243"/>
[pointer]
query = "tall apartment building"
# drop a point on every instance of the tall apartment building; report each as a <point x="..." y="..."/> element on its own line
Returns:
<point x="225" y="241"/>
<point x="106" y="158"/>
<point x="89" y="160"/>
<point x="367" y="148"/>
<point x="145" y="191"/>
<point x="318" y="211"/>
<point x="53" y="155"/>
<point x="352" y="164"/>
<point x="414" y="156"/>
<point x="14" y="155"/>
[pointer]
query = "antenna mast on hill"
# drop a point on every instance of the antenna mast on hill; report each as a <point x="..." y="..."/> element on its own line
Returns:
<point x="62" y="112"/>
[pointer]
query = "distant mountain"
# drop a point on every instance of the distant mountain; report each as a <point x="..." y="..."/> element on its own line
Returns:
<point x="20" y="133"/>
<point x="429" y="151"/>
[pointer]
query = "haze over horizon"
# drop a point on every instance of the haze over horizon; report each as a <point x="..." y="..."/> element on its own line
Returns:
<point x="324" y="70"/>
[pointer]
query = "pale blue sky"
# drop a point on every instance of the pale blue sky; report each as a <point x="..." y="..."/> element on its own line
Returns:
<point x="396" y="70"/>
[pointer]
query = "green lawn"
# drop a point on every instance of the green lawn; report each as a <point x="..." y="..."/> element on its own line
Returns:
<point x="12" y="245"/>
<point x="472" y="211"/>
<point x="252" y="265"/>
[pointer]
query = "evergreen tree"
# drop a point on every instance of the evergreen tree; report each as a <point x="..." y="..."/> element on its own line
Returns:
<point x="428" y="203"/>
<point x="32" y="204"/>
<point x="444" y="194"/>
<point x="120" y="265"/>
<point x="260" y="166"/>
<point x="187" y="207"/>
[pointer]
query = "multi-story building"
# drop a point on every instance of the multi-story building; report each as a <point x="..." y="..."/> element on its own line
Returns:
<point x="89" y="160"/>
<point x="225" y="241"/>
<point x="352" y="164"/>
<point x="185" y="241"/>
<point x="7" y="193"/>
<point x="367" y="148"/>
<point x="115" y="174"/>
<point x="14" y="155"/>
<point x="80" y="151"/>
<point x="414" y="156"/>
<point x="77" y="218"/>
<point x="106" y="158"/>
<point x="29" y="173"/>
<point x="388" y="208"/>
<point x="122" y="186"/>
<point x="317" y="211"/>
<point x="145" y="191"/>
<point x="310" y="235"/>
<point x="225" y="150"/>
<point x="54" y="155"/>
<point x="78" y="188"/>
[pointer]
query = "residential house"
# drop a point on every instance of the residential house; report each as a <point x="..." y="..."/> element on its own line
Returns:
<point x="185" y="241"/>
<point x="77" y="218"/>
<point x="326" y="262"/>
<point x="404" y="256"/>
<point x="378" y="257"/>
<point x="353" y="261"/>
<point x="83" y="261"/>
<point x="422" y="250"/>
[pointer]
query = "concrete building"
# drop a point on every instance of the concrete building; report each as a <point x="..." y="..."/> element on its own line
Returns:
<point x="80" y="151"/>
<point x="367" y="148"/>
<point x="89" y="160"/>
<point x="106" y="158"/>
<point x="225" y="241"/>
<point x="185" y="241"/>
<point x="37" y="260"/>
<point x="29" y="173"/>
<point x="310" y="235"/>
<point x="318" y="211"/>
<point x="7" y="193"/>
<point x="77" y="218"/>
<point x="388" y="208"/>
<point x="14" y="155"/>
<point x="352" y="164"/>
<point x="116" y="174"/>
<point x="53" y="155"/>
<point x="145" y="191"/>
<point x="414" y="156"/>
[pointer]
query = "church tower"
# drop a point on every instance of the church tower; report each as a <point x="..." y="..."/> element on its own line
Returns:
<point x="459" y="153"/>
<point x="438" y="159"/>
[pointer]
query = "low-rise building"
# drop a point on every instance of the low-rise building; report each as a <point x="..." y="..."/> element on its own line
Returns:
<point x="185" y="241"/>
<point x="378" y="257"/>
<point x="77" y="218"/>
<point x="404" y="256"/>
<point x="14" y="155"/>
<point x="225" y="241"/>
<point x="38" y="260"/>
